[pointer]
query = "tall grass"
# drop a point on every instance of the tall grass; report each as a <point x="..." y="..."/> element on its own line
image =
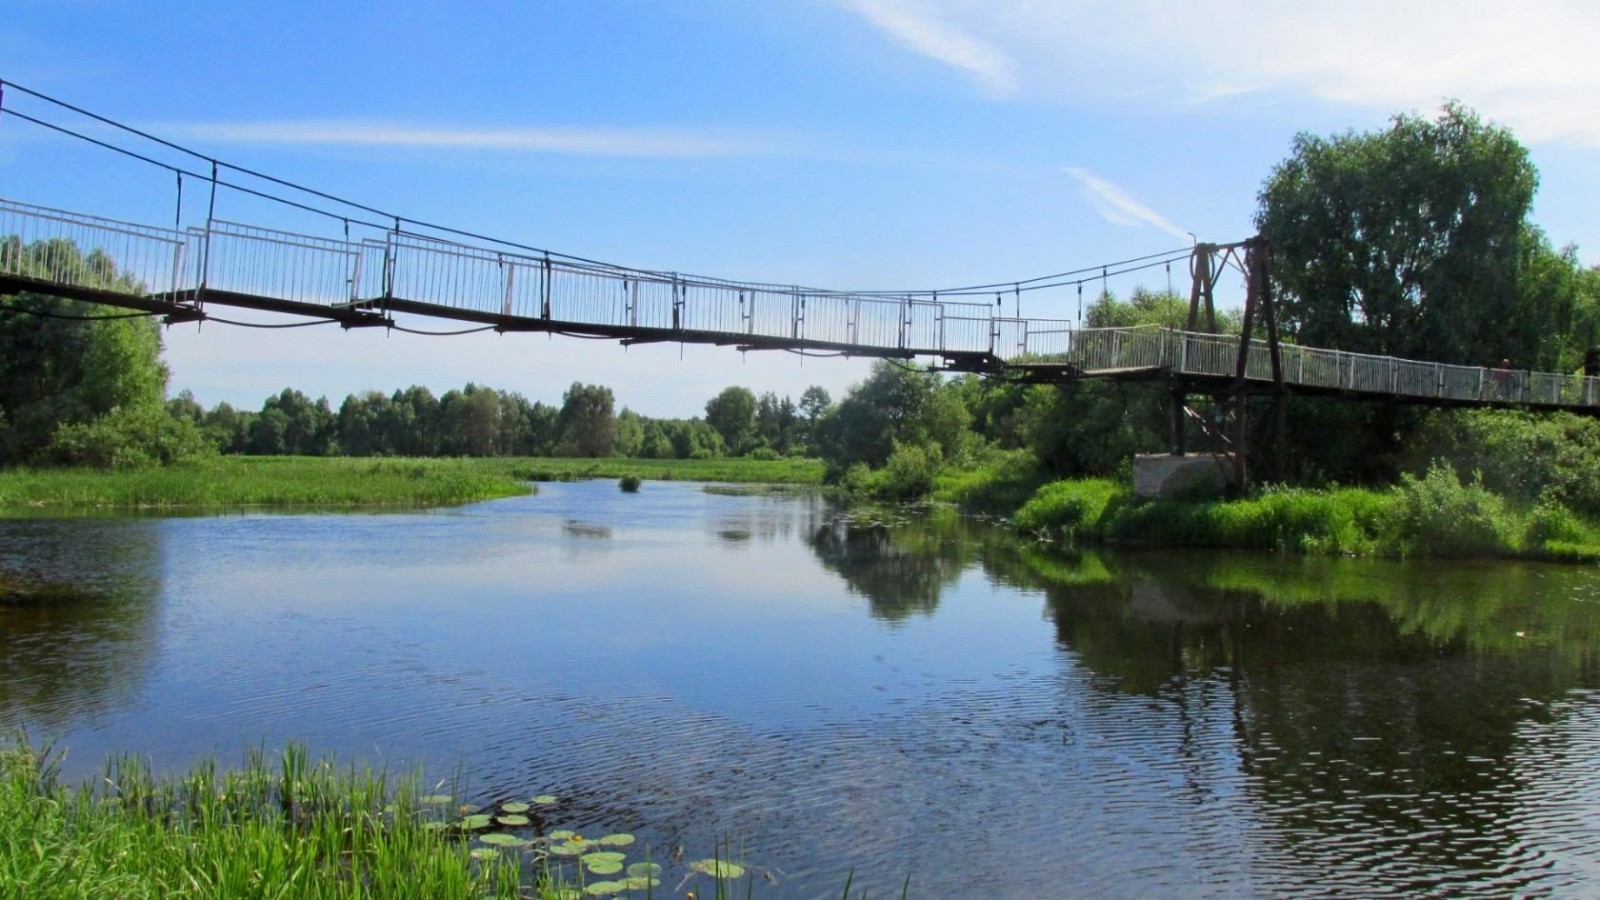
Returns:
<point x="239" y="481"/>
<point x="1439" y="514"/>
<point x="294" y="829"/>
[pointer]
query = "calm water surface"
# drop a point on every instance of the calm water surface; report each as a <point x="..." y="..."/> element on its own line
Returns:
<point x="894" y="694"/>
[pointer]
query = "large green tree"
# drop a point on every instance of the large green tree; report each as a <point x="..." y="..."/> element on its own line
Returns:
<point x="588" y="421"/>
<point x="733" y="414"/>
<point x="64" y="362"/>
<point x="1411" y="241"/>
<point x="895" y="405"/>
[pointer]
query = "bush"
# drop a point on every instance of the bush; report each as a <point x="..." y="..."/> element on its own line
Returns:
<point x="1440" y="515"/>
<point x="128" y="438"/>
<point x="764" y="453"/>
<point x="1067" y="508"/>
<point x="630" y="483"/>
<point x="909" y="473"/>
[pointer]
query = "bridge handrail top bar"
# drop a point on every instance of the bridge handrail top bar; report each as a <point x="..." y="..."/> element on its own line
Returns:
<point x="119" y="226"/>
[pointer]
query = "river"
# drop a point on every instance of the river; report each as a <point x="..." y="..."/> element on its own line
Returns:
<point x="893" y="693"/>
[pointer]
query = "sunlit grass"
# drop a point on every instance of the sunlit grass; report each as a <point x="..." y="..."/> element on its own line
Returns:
<point x="274" y="481"/>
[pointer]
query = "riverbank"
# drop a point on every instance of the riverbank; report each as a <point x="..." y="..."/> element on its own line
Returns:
<point x="342" y="482"/>
<point x="259" y="481"/>
<point x="1439" y="514"/>
<point x="741" y="470"/>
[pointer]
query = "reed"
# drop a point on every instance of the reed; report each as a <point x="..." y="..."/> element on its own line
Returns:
<point x="295" y="828"/>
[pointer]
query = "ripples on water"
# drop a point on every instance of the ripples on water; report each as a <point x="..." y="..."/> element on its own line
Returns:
<point x="891" y="694"/>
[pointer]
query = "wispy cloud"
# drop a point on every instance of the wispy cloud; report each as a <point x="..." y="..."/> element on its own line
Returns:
<point x="1116" y="207"/>
<point x="1530" y="65"/>
<point x="918" y="25"/>
<point x="620" y="142"/>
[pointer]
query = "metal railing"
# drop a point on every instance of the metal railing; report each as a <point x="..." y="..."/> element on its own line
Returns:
<point x="71" y="249"/>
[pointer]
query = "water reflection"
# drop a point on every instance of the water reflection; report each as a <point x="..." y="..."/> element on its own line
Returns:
<point x="77" y="617"/>
<point x="900" y="564"/>
<point x="1379" y="712"/>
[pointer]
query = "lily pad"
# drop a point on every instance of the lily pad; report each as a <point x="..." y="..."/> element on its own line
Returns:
<point x="562" y="834"/>
<point x="604" y="868"/>
<point x="718" y="868"/>
<point x="474" y="823"/>
<point x="512" y="821"/>
<point x="569" y="848"/>
<point x="566" y="893"/>
<point x="603" y="888"/>
<point x="644" y="870"/>
<point x="642" y="883"/>
<point x="544" y="799"/>
<point x="616" y="840"/>
<point x="437" y="799"/>
<point x="514" y="807"/>
<point x="604" y="856"/>
<point x="484" y="853"/>
<point x="501" y="840"/>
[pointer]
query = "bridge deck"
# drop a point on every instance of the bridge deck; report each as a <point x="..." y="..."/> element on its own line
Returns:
<point x="363" y="283"/>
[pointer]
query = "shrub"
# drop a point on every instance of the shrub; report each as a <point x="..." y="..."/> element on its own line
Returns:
<point x="909" y="473"/>
<point x="128" y="438"/>
<point x="1067" y="508"/>
<point x="1442" y="516"/>
<point x="630" y="483"/>
<point x="764" y="453"/>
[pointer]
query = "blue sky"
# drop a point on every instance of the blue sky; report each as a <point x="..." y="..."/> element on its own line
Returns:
<point x="838" y="143"/>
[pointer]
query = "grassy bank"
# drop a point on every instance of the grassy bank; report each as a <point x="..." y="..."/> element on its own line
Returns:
<point x="291" y="826"/>
<point x="242" y="481"/>
<point x="307" y="481"/>
<point x="294" y="830"/>
<point x="1440" y="514"/>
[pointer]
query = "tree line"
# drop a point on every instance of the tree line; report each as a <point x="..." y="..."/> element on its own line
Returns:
<point x="478" y="420"/>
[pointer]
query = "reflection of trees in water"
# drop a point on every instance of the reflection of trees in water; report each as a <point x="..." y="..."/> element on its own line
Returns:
<point x="766" y="519"/>
<point x="1367" y="702"/>
<point x="77" y="616"/>
<point x="900" y="564"/>
<point x="1370" y="701"/>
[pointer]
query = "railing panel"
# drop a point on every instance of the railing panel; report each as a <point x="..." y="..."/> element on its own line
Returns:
<point x="90" y="252"/>
<point x="922" y="325"/>
<point x="1460" y="382"/>
<point x="1010" y="338"/>
<point x="966" y="334"/>
<point x="712" y="307"/>
<point x="773" y="312"/>
<point x="1416" y="379"/>
<point x="278" y="265"/>
<point x="1205" y="354"/>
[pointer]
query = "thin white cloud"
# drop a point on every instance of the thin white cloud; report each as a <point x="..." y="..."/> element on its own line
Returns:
<point x="917" y="25"/>
<point x="1529" y="65"/>
<point x="567" y="141"/>
<point x="1116" y="207"/>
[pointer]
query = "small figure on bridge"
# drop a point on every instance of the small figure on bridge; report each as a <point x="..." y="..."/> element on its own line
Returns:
<point x="1503" y="377"/>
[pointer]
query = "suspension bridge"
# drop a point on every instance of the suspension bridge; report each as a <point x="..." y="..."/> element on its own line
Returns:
<point x="401" y="266"/>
